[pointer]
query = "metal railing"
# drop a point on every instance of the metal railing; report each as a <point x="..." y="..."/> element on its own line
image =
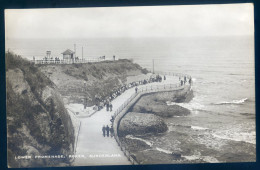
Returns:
<point x="69" y="61"/>
<point x="122" y="110"/>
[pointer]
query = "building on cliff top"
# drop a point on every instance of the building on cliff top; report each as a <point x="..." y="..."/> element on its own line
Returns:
<point x="68" y="54"/>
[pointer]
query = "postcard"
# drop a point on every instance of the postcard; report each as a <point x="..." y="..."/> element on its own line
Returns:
<point x="133" y="85"/>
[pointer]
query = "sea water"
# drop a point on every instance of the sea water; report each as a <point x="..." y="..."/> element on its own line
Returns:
<point x="221" y="126"/>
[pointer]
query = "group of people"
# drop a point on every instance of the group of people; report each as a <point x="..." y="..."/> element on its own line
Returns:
<point x="109" y="106"/>
<point x="108" y="130"/>
<point x="117" y="92"/>
<point x="101" y="103"/>
<point x="185" y="80"/>
<point x="107" y="103"/>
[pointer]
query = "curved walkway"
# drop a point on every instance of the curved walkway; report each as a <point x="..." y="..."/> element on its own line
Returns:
<point x="92" y="147"/>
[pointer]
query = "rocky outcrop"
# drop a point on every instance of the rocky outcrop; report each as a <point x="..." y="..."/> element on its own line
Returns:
<point x="160" y="109"/>
<point x="156" y="103"/>
<point x="140" y="124"/>
<point x="37" y="122"/>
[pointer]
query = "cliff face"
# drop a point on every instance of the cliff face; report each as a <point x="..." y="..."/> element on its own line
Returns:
<point x="93" y="81"/>
<point x="37" y="122"/>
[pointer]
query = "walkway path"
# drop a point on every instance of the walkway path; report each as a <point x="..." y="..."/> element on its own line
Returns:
<point x="92" y="147"/>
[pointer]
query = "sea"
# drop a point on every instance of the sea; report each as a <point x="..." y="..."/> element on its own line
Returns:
<point x="221" y="126"/>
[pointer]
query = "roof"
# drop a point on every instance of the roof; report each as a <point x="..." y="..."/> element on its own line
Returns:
<point x="68" y="52"/>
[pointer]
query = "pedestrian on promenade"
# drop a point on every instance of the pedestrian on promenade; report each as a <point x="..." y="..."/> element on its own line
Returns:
<point x="111" y="131"/>
<point x="181" y="82"/>
<point x="112" y="119"/>
<point x="111" y="106"/>
<point x="190" y="81"/>
<point x="107" y="129"/>
<point x="164" y="77"/>
<point x="104" y="130"/>
<point x="107" y="105"/>
<point x="136" y="89"/>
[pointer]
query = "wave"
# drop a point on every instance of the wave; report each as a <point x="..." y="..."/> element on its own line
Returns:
<point x="190" y="106"/>
<point x="204" y="158"/>
<point x="239" y="137"/>
<point x="145" y="141"/>
<point x="164" y="150"/>
<point x="192" y="157"/>
<point x="198" y="128"/>
<point x="171" y="127"/>
<point x="241" y="101"/>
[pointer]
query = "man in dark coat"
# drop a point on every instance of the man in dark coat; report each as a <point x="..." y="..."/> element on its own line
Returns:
<point x="107" y="129"/>
<point x="107" y="106"/>
<point x="111" y="131"/>
<point x="104" y="130"/>
<point x="111" y="106"/>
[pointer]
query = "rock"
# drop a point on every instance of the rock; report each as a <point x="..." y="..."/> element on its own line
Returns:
<point x="161" y="110"/>
<point x="37" y="121"/>
<point x="176" y="155"/>
<point x="134" y="145"/>
<point x="156" y="104"/>
<point x="140" y="124"/>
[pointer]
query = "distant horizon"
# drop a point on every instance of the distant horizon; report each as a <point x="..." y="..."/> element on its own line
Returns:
<point x="71" y="38"/>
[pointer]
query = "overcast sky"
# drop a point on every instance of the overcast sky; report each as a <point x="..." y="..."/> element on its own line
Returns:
<point x="157" y="21"/>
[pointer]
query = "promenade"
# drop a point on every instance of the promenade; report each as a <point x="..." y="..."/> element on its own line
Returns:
<point x="94" y="149"/>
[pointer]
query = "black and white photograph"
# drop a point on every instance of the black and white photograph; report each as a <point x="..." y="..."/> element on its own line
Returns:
<point x="131" y="85"/>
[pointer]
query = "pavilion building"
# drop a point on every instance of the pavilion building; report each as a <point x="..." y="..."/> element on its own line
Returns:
<point x="68" y="55"/>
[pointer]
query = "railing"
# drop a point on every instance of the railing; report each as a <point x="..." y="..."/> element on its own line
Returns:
<point x="122" y="110"/>
<point x="52" y="61"/>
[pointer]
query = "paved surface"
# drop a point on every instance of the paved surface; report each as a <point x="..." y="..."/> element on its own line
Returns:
<point x="99" y="150"/>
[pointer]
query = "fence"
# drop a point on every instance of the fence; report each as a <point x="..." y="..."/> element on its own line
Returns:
<point x="51" y="61"/>
<point x="122" y="110"/>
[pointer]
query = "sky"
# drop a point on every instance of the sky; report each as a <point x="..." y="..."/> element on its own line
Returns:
<point x="134" y="22"/>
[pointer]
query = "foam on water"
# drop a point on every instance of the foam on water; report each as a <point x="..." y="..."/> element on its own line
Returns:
<point x="204" y="158"/>
<point x="164" y="150"/>
<point x="198" y="128"/>
<point x="133" y="137"/>
<point x="235" y="136"/>
<point x="241" y="101"/>
<point x="191" y="106"/>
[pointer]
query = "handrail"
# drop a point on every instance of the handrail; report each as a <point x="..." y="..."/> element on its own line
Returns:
<point x="66" y="61"/>
<point x="119" y="114"/>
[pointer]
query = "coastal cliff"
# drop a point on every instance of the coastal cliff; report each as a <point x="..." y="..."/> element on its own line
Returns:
<point x="93" y="81"/>
<point x="38" y="123"/>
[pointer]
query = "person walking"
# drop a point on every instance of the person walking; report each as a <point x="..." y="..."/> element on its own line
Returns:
<point x="111" y="106"/>
<point x="112" y="119"/>
<point x="107" y="105"/>
<point x="136" y="89"/>
<point x="107" y="129"/>
<point x="104" y="130"/>
<point x="111" y="131"/>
